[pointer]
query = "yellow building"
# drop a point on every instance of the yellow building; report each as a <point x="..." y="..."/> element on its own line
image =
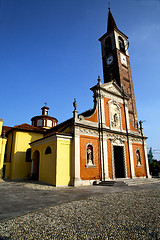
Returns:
<point x="17" y="161"/>
<point x="51" y="159"/>
<point x="3" y="141"/>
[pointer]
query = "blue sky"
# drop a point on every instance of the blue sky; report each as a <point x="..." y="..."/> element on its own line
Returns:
<point x="49" y="52"/>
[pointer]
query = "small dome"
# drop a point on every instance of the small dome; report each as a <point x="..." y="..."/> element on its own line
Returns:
<point x="44" y="121"/>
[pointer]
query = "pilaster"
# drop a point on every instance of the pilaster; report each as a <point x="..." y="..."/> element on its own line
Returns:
<point x="105" y="158"/>
<point x="131" y="159"/>
<point x="146" y="160"/>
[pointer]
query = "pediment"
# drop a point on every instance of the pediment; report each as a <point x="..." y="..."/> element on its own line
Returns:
<point x="113" y="88"/>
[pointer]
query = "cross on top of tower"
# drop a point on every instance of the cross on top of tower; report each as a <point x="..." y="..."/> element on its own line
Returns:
<point x="109" y="5"/>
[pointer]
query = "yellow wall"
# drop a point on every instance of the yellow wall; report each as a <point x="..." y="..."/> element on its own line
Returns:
<point x="47" y="162"/>
<point x="1" y="123"/>
<point x="2" y="149"/>
<point x="54" y="168"/>
<point x="7" y="169"/>
<point x="18" y="143"/>
<point x="64" y="170"/>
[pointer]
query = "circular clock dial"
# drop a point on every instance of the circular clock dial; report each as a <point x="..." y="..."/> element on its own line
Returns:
<point x="109" y="60"/>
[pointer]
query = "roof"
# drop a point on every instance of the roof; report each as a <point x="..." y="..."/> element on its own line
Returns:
<point x="111" y="22"/>
<point x="60" y="127"/>
<point x="5" y="129"/>
<point x="27" y="127"/>
<point x="44" y="116"/>
<point x="111" y="25"/>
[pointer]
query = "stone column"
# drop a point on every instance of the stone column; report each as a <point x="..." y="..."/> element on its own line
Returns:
<point x="131" y="159"/>
<point x="146" y="160"/>
<point x="105" y="158"/>
<point x="76" y="180"/>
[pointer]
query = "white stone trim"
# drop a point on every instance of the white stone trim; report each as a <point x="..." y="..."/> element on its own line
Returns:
<point x="103" y="111"/>
<point x="118" y="142"/>
<point x="131" y="159"/>
<point x="120" y="117"/>
<point x="127" y="116"/>
<point x="90" y="165"/>
<point x="50" y="139"/>
<point x="76" y="159"/>
<point x="146" y="160"/>
<point x="105" y="158"/>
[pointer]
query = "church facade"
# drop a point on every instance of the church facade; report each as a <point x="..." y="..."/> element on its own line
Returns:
<point x="101" y="144"/>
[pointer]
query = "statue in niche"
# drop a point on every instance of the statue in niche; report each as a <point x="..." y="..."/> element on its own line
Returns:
<point x="90" y="155"/>
<point x="138" y="157"/>
<point x="115" y="120"/>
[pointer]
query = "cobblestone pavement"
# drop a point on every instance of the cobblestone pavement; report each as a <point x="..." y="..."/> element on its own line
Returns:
<point x="131" y="214"/>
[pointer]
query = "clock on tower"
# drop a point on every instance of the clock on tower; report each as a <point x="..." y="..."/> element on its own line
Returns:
<point x="116" y="64"/>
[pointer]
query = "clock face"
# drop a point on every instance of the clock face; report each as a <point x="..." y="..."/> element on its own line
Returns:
<point x="123" y="59"/>
<point x="109" y="60"/>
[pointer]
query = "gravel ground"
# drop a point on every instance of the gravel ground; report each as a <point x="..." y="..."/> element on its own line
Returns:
<point x="126" y="215"/>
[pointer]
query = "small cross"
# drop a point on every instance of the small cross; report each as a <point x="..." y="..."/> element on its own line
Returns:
<point x="45" y="104"/>
<point x="109" y="4"/>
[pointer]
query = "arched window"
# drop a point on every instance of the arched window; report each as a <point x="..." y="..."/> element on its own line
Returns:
<point x="138" y="158"/>
<point x="121" y="44"/>
<point x="108" y="45"/>
<point x="90" y="160"/>
<point x="48" y="150"/>
<point x="28" y="155"/>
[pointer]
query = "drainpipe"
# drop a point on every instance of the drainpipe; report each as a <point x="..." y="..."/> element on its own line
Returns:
<point x="141" y="129"/>
<point x="101" y="130"/>
<point x="127" y="130"/>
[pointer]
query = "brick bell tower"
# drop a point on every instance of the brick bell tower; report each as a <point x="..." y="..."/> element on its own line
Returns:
<point x="116" y="64"/>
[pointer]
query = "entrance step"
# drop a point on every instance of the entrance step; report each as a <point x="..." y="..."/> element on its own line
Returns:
<point x="127" y="182"/>
<point x="110" y="183"/>
<point x="140" y="181"/>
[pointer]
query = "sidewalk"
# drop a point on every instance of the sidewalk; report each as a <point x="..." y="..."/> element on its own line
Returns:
<point x="95" y="212"/>
<point x="17" y="198"/>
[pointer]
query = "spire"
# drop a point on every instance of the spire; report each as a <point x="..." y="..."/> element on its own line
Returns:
<point x="111" y="22"/>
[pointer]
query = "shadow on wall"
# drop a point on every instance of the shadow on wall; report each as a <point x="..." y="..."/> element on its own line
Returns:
<point x="20" y="168"/>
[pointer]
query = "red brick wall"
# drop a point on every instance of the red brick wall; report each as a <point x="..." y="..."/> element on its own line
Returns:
<point x="90" y="172"/>
<point x="106" y="109"/>
<point x="123" y="117"/>
<point x="93" y="118"/>
<point x="109" y="158"/>
<point x="127" y="83"/>
<point x="139" y="171"/>
<point x="127" y="160"/>
<point x="132" y="128"/>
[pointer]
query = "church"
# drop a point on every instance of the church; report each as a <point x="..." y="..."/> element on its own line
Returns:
<point x="102" y="144"/>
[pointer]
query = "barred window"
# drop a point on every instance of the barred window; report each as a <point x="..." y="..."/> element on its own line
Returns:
<point x="121" y="44"/>
<point x="48" y="150"/>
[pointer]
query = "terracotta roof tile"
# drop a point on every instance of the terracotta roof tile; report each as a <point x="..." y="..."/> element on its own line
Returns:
<point x="5" y="129"/>
<point x="28" y="127"/>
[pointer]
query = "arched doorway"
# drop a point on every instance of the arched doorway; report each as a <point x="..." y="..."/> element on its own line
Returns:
<point x="35" y="165"/>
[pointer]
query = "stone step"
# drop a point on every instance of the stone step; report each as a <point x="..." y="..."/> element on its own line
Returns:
<point x="104" y="183"/>
<point x="140" y="181"/>
<point x="127" y="182"/>
<point x="110" y="183"/>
